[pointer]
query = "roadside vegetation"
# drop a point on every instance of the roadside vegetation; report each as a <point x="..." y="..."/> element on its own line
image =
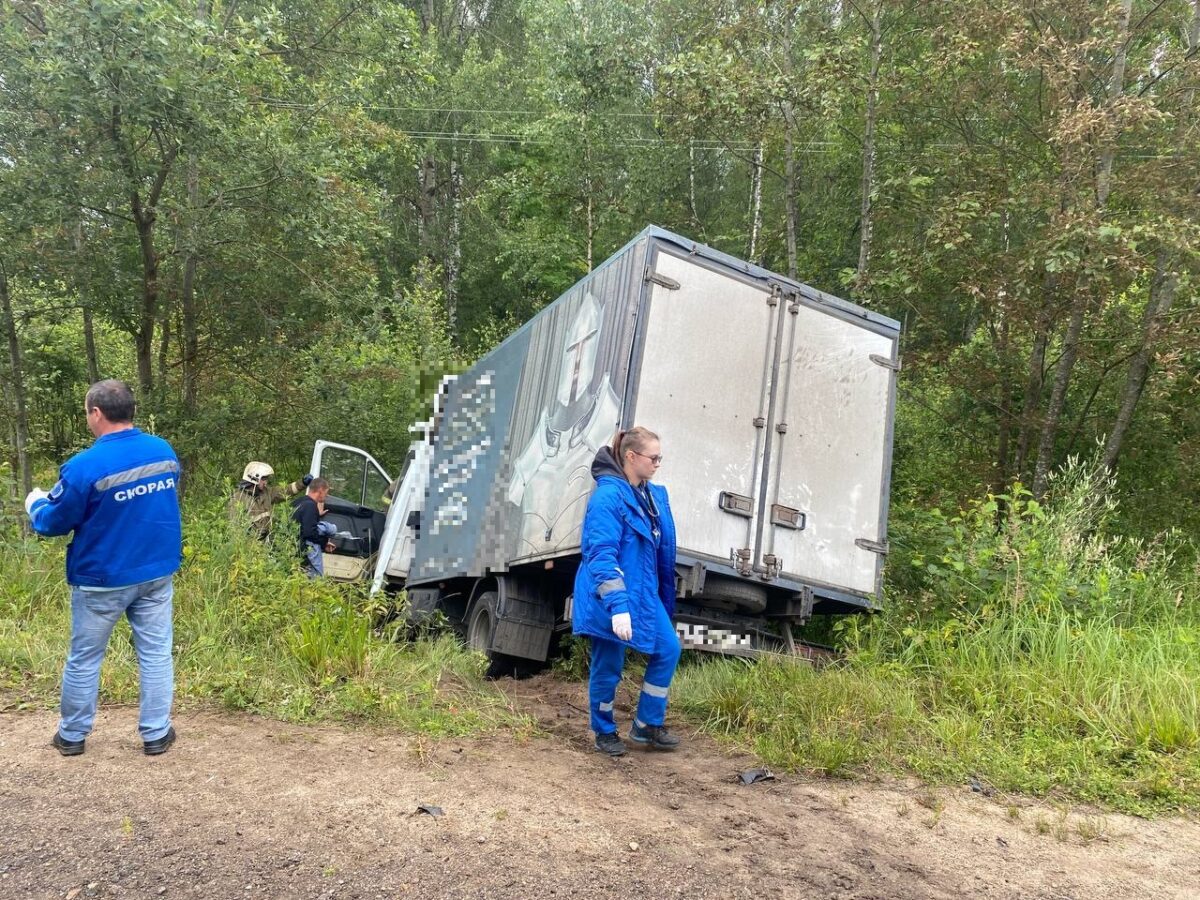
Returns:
<point x="1023" y="647"/>
<point x="251" y="634"/>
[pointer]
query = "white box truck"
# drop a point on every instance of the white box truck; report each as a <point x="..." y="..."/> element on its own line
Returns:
<point x="774" y="402"/>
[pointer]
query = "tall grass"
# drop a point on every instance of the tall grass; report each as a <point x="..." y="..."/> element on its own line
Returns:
<point x="251" y="633"/>
<point x="1022" y="645"/>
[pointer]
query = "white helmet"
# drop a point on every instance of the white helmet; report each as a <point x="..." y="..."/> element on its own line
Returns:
<point x="256" y="470"/>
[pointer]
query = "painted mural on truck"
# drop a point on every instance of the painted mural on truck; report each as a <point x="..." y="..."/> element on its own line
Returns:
<point x="522" y="426"/>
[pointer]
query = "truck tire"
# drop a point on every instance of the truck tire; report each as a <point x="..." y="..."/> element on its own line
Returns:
<point x="479" y="627"/>
<point x="743" y="594"/>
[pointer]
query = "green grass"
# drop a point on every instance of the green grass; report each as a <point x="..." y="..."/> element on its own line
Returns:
<point x="253" y="634"/>
<point x="1022" y="645"/>
<point x="1045" y="705"/>
<point x="1031" y="651"/>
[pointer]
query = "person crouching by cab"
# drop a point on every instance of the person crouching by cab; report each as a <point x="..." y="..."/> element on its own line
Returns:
<point x="254" y="496"/>
<point x="625" y="588"/>
<point x="314" y="534"/>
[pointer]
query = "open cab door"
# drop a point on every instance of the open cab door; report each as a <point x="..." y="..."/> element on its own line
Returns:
<point x="356" y="505"/>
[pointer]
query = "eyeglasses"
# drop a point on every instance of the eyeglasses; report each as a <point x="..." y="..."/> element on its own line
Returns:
<point x="656" y="458"/>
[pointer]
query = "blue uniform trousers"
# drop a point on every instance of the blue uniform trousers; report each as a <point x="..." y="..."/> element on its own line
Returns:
<point x="608" y="659"/>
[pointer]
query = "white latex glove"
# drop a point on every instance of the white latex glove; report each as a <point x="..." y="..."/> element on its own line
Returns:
<point x="34" y="495"/>
<point x="622" y="626"/>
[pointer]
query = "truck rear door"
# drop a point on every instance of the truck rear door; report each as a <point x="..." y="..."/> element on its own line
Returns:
<point x="704" y="384"/>
<point x="825" y="503"/>
<point x="775" y="409"/>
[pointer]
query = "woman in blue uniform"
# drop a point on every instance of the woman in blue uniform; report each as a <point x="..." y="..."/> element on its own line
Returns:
<point x="625" y="588"/>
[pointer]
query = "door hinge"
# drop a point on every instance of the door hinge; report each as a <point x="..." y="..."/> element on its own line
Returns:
<point x="741" y="561"/>
<point x="879" y="547"/>
<point x="669" y="283"/>
<point x="886" y="362"/>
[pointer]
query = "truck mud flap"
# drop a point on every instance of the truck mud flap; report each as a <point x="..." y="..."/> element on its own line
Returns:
<point x="524" y="622"/>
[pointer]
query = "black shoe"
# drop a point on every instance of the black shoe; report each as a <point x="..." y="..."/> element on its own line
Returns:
<point x="655" y="737"/>
<point x="65" y="747"/>
<point x="154" y="748"/>
<point x="610" y="744"/>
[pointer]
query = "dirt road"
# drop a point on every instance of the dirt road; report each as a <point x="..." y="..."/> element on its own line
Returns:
<point x="245" y="807"/>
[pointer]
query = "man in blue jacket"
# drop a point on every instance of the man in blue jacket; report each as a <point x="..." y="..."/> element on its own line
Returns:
<point x="120" y="498"/>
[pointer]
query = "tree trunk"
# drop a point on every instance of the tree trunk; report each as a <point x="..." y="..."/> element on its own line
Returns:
<point x="189" y="342"/>
<point x="187" y="292"/>
<point x="164" y="341"/>
<point x="756" y="203"/>
<point x="89" y="330"/>
<point x="1116" y="87"/>
<point x="591" y="230"/>
<point x="20" y="412"/>
<point x="148" y="315"/>
<point x="1058" y="393"/>
<point x="692" y="182"/>
<point x="866" y="205"/>
<point x="454" y="258"/>
<point x="1162" y="289"/>
<point x="426" y="205"/>
<point x="1004" y="438"/>
<point x="1034" y="383"/>
<point x="789" y="196"/>
<point x="144" y="215"/>
<point x="89" y="345"/>
<point x="1083" y="291"/>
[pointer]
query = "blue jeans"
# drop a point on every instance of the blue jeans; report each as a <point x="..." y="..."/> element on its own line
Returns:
<point x="93" y="616"/>
<point x="314" y="560"/>
<point x="608" y="659"/>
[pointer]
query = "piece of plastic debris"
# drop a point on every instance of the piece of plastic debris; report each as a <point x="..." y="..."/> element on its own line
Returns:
<point x="429" y="810"/>
<point x="750" y="776"/>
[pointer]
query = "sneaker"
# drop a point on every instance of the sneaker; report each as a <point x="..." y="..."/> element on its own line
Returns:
<point x="611" y="744"/>
<point x="656" y="737"/>
<point x="65" y="747"/>
<point x="160" y="745"/>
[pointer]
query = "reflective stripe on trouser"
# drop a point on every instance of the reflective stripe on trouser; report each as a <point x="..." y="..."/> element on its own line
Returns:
<point x="608" y="659"/>
<point x="93" y="615"/>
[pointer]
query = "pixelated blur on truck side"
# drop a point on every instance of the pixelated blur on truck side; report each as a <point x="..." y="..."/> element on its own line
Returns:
<point x="774" y="402"/>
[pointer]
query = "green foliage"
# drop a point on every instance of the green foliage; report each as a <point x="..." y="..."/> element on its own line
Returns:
<point x="574" y="662"/>
<point x="1012" y="551"/>
<point x="251" y="633"/>
<point x="1021" y="644"/>
<point x="338" y="205"/>
<point x="331" y="643"/>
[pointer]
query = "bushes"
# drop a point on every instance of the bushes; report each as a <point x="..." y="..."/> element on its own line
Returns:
<point x="1021" y="644"/>
<point x="251" y="633"/>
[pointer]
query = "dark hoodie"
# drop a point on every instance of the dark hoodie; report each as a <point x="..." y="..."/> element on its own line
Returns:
<point x="606" y="464"/>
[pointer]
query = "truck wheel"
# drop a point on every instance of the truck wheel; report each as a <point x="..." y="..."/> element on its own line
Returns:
<point x="745" y="594"/>
<point x="480" y="624"/>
